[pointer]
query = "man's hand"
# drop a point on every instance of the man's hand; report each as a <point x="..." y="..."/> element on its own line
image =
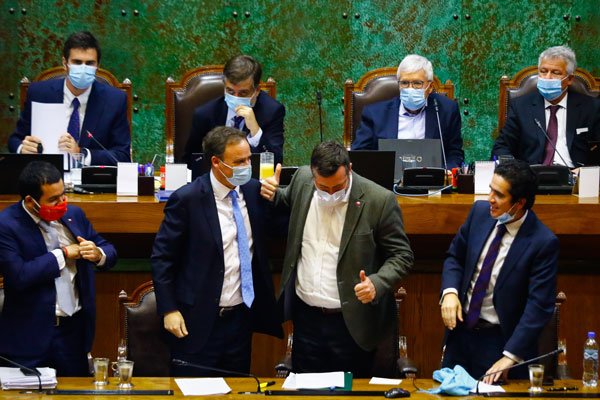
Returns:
<point x="249" y="118"/>
<point x="451" y="310"/>
<point x="499" y="365"/>
<point x="88" y="250"/>
<point x="67" y="143"/>
<point x="365" y="290"/>
<point x="175" y="324"/>
<point x="269" y="186"/>
<point x="72" y="251"/>
<point x="29" y="145"/>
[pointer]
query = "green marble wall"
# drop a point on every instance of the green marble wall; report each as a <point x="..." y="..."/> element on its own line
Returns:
<point x="305" y="45"/>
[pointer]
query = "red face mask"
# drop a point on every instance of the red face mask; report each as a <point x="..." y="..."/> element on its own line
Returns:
<point x="52" y="213"/>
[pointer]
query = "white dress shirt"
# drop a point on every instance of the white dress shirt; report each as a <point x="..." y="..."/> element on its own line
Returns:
<point x="252" y="140"/>
<point x="411" y="126"/>
<point x="561" y="140"/>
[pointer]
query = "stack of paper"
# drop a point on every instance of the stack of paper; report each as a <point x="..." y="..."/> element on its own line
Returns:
<point x="13" y="378"/>
<point x="325" y="380"/>
<point x="202" y="386"/>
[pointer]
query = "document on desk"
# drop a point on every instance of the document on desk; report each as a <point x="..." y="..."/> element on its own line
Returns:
<point x="13" y="378"/>
<point x="384" y="381"/>
<point x="202" y="386"/>
<point x="49" y="123"/>
<point x="484" y="172"/>
<point x="314" y="380"/>
<point x="487" y="388"/>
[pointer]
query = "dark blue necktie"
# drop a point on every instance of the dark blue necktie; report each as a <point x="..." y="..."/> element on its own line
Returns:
<point x="74" y="125"/>
<point x="237" y="121"/>
<point x="243" y="251"/>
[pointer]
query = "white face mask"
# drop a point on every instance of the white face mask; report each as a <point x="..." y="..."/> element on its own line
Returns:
<point x="330" y="200"/>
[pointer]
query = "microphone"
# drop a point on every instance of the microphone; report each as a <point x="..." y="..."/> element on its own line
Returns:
<point x="103" y="148"/>
<point x="550" y="354"/>
<point x="437" y="114"/>
<point x="183" y="363"/>
<point x="30" y="371"/>
<point x="539" y="125"/>
<point x="320" y="114"/>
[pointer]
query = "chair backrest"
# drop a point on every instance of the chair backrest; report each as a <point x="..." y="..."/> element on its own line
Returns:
<point x="548" y="340"/>
<point x="376" y="85"/>
<point x="143" y="330"/>
<point x="525" y="81"/>
<point x="197" y="87"/>
<point x="1" y="294"/>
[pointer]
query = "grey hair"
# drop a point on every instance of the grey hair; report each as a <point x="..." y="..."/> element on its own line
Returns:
<point x="562" y="52"/>
<point x="413" y="63"/>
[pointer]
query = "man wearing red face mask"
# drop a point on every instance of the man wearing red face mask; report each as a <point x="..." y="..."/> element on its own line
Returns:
<point x="48" y="254"/>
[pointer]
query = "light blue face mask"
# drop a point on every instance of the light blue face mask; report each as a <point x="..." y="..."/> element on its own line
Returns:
<point x="233" y="101"/>
<point x="241" y="174"/>
<point x="82" y="76"/>
<point x="550" y="89"/>
<point x="505" y="217"/>
<point x="413" y="99"/>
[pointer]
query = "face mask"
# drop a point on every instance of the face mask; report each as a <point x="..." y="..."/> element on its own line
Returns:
<point x="82" y="76"/>
<point x="506" y="217"/>
<point x="234" y="101"/>
<point x="330" y="200"/>
<point x="241" y="175"/>
<point x="550" y="89"/>
<point x="52" y="213"/>
<point x="413" y="99"/>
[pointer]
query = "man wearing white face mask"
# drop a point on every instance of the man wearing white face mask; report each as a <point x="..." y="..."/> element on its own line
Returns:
<point x="413" y="115"/>
<point x="570" y="119"/>
<point x="243" y="106"/>
<point x="499" y="279"/>
<point x="91" y="106"/>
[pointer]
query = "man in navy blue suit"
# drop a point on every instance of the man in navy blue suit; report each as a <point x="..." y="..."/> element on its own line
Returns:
<point x="414" y="114"/>
<point x="48" y="254"/>
<point x="209" y="262"/>
<point x="92" y="106"/>
<point x="499" y="279"/>
<point x="245" y="107"/>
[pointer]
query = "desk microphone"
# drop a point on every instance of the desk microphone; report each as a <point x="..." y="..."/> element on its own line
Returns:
<point x="553" y="352"/>
<point x="539" y="125"/>
<point x="182" y="363"/>
<point x="437" y="114"/>
<point x="91" y="136"/>
<point x="30" y="371"/>
<point x="320" y="114"/>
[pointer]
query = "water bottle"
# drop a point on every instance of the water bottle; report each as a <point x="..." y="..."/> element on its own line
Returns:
<point x="590" y="361"/>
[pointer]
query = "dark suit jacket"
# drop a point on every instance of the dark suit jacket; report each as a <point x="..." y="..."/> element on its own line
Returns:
<point x="29" y="270"/>
<point x="105" y="118"/>
<point x="522" y="138"/>
<point x="269" y="114"/>
<point x="188" y="265"/>
<point x="525" y="290"/>
<point x="372" y="239"/>
<point x="380" y="121"/>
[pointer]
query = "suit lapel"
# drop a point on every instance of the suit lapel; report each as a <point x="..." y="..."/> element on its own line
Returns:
<point x="353" y="212"/>
<point x="538" y="112"/>
<point x="573" y="104"/>
<point x="31" y="230"/>
<point x="391" y="130"/>
<point x="221" y="117"/>
<point x="519" y="245"/>
<point x="306" y="193"/>
<point x="477" y="242"/>
<point x="206" y="202"/>
<point x="430" y="119"/>
<point x="93" y="113"/>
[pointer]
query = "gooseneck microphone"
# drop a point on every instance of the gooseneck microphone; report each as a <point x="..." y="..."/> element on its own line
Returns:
<point x="31" y="371"/>
<point x="539" y="125"/>
<point x="183" y="363"/>
<point x="91" y="136"/>
<point x="437" y="114"/>
<point x="320" y="114"/>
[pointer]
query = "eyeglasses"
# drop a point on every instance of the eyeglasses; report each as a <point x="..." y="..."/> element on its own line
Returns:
<point x="413" y="84"/>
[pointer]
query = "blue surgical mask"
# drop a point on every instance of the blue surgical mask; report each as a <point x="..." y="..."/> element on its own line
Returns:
<point x="82" y="76"/>
<point x="330" y="200"/>
<point x="233" y="101"/>
<point x="550" y="89"/>
<point x="506" y="217"/>
<point x="413" y="99"/>
<point x="241" y="174"/>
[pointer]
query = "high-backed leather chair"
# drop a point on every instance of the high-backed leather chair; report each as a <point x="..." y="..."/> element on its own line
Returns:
<point x="197" y="87"/>
<point x="376" y="85"/>
<point x="525" y="82"/>
<point x="1" y="294"/>
<point x="143" y="331"/>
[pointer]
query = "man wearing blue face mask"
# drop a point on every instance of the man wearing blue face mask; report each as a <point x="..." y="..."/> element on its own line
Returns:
<point x="569" y="118"/>
<point x="209" y="262"/>
<point x="499" y="279"/>
<point x="91" y="106"/>
<point x="412" y="115"/>
<point x="243" y="106"/>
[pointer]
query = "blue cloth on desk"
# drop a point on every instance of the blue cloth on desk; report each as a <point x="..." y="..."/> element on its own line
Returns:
<point x="454" y="382"/>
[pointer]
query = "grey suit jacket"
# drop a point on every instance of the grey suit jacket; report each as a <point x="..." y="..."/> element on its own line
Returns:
<point x="372" y="239"/>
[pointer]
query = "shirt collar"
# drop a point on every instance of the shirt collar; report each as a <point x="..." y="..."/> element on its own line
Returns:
<point x="513" y="227"/>
<point x="35" y="217"/>
<point x="562" y="103"/>
<point x="221" y="191"/>
<point x="69" y="96"/>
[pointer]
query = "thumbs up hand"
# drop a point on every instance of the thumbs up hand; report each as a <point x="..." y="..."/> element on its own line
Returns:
<point x="269" y="185"/>
<point x="365" y="290"/>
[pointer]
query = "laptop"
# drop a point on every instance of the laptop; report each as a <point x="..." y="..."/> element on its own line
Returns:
<point x="11" y="166"/>
<point x="201" y="165"/>
<point x="413" y="153"/>
<point x="377" y="166"/>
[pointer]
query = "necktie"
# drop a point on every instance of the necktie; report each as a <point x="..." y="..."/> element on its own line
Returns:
<point x="237" y="121"/>
<point x="483" y="280"/>
<point x="552" y="134"/>
<point x="74" y="126"/>
<point x="65" y="291"/>
<point x="243" y="251"/>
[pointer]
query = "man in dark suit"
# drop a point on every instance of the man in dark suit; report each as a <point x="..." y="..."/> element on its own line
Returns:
<point x="346" y="252"/>
<point x="569" y="118"/>
<point x="92" y="107"/>
<point x="499" y="279"/>
<point x="245" y="107"/>
<point x="414" y="114"/>
<point x="209" y="262"/>
<point x="48" y="253"/>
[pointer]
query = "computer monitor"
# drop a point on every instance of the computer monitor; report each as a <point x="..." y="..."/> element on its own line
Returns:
<point x="11" y="166"/>
<point x="413" y="153"/>
<point x="377" y="166"/>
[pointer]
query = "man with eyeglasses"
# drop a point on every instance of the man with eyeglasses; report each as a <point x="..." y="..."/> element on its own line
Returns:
<point x="243" y="106"/>
<point x="569" y="118"/>
<point x="413" y="114"/>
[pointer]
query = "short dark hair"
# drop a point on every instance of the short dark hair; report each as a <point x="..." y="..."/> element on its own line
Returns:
<point x="81" y="40"/>
<point x="218" y="138"/>
<point x="34" y="176"/>
<point x="242" y="67"/>
<point x="523" y="181"/>
<point x="327" y="157"/>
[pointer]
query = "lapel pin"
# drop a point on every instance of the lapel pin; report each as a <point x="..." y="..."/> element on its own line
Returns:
<point x="357" y="204"/>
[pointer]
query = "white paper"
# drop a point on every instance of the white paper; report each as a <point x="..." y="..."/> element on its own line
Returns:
<point x="13" y="378"/>
<point x="487" y="388"/>
<point x="127" y="179"/>
<point x="49" y="122"/>
<point x="175" y="176"/>
<point x="384" y="381"/>
<point x="589" y="181"/>
<point x="314" y="380"/>
<point x="484" y="172"/>
<point x="202" y="386"/>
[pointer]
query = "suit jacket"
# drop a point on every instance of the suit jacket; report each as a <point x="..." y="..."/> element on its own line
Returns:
<point x="105" y="118"/>
<point x="29" y="269"/>
<point x="522" y="138"/>
<point x="269" y="114"/>
<point x="380" y="121"/>
<point x="525" y="290"/>
<point x="188" y="262"/>
<point x="372" y="239"/>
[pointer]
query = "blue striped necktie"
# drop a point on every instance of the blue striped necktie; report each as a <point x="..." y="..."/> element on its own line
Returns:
<point x="243" y="251"/>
